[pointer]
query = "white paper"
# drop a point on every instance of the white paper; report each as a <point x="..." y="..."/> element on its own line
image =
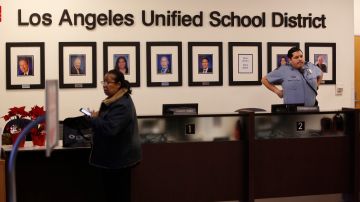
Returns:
<point x="245" y="63"/>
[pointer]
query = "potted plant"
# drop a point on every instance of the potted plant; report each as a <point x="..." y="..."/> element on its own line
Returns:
<point x="38" y="133"/>
<point x="17" y="119"/>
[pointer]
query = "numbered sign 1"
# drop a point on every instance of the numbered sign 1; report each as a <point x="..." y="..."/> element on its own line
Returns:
<point x="189" y="129"/>
<point x="300" y="126"/>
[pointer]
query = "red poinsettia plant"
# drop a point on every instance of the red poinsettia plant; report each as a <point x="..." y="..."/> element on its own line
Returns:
<point x="34" y="113"/>
<point x="18" y="118"/>
<point x="16" y="113"/>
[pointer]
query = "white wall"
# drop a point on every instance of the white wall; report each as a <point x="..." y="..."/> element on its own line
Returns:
<point x="148" y="100"/>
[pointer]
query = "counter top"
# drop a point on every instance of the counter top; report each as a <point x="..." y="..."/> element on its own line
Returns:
<point x="29" y="147"/>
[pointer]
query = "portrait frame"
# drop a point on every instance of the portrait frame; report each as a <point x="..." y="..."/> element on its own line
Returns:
<point x="67" y="50"/>
<point x="328" y="49"/>
<point x="242" y="71"/>
<point x="132" y="50"/>
<point x="278" y="48"/>
<point x="34" y="50"/>
<point x="156" y="49"/>
<point x="195" y="49"/>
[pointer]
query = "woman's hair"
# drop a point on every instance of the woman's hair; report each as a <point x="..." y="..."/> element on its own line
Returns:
<point x="117" y="63"/>
<point x="119" y="78"/>
<point x="282" y="57"/>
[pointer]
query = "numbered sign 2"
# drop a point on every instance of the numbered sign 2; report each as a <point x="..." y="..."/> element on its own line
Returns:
<point x="300" y="126"/>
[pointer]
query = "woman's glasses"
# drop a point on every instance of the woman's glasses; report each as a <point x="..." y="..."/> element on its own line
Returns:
<point x="105" y="83"/>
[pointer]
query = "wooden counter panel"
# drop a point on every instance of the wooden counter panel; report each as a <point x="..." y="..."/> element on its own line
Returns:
<point x="294" y="167"/>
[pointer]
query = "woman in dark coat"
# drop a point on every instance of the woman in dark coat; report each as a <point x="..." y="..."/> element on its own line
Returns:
<point x="116" y="143"/>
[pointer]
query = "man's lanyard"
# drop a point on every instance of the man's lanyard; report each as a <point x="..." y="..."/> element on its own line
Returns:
<point x="312" y="88"/>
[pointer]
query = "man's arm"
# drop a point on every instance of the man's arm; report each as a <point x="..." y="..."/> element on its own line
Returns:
<point x="272" y="87"/>
<point x="319" y="79"/>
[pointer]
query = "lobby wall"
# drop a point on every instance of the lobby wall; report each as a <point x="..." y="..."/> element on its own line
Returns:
<point x="148" y="100"/>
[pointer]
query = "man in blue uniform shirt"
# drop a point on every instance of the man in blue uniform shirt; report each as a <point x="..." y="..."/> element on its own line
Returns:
<point x="299" y="80"/>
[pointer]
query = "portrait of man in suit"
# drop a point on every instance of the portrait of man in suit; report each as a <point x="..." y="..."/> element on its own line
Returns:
<point x="25" y="65"/>
<point x="205" y="64"/>
<point x="321" y="61"/>
<point x="164" y="63"/>
<point x="77" y="65"/>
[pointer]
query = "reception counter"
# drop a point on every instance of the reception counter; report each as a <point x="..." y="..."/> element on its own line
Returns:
<point x="242" y="156"/>
<point x="2" y="181"/>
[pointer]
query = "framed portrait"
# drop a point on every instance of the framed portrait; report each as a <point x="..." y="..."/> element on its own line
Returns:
<point x="277" y="53"/>
<point x="25" y="65"/>
<point x="205" y="64"/>
<point x="77" y="64"/>
<point x="125" y="56"/>
<point x="323" y="55"/>
<point x="164" y="63"/>
<point x="245" y="63"/>
<point x="282" y="59"/>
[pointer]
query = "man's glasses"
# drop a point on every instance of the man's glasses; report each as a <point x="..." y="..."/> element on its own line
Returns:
<point x="105" y="83"/>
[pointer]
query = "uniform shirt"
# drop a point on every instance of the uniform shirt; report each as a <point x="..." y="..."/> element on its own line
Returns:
<point x="295" y="88"/>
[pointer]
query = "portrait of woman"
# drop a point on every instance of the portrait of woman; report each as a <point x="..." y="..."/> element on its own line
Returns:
<point x="121" y="63"/>
<point x="282" y="60"/>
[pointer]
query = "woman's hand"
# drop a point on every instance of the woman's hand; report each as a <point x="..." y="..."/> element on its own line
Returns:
<point x="94" y="114"/>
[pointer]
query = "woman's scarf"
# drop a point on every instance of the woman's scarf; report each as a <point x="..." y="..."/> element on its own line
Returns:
<point x="115" y="97"/>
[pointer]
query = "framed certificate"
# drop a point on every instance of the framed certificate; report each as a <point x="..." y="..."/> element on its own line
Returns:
<point x="245" y="63"/>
